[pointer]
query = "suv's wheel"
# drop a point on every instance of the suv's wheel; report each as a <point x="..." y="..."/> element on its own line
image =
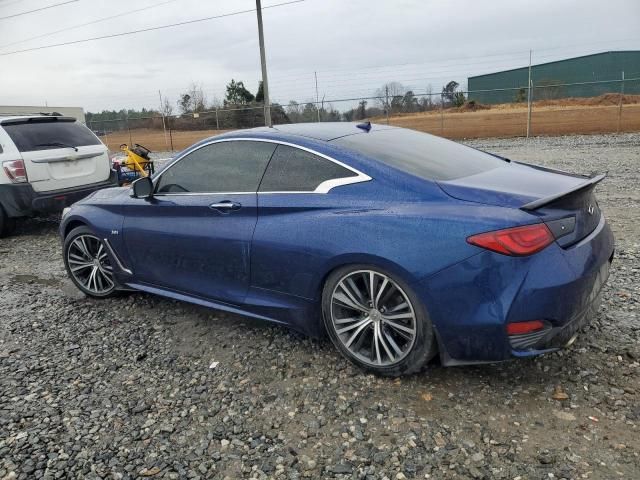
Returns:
<point x="7" y="224"/>
<point x="376" y="321"/>
<point x="87" y="263"/>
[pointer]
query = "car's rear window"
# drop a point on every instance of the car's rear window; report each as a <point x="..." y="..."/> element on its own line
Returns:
<point x="421" y="154"/>
<point x="46" y="135"/>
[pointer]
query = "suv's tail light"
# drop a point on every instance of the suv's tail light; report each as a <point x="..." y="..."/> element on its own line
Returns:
<point x="15" y="170"/>
<point x="516" y="241"/>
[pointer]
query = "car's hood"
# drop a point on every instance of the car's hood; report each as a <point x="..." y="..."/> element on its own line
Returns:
<point x="513" y="185"/>
<point x="106" y="195"/>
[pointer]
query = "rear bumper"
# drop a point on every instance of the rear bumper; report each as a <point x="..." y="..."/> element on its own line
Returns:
<point x="471" y="302"/>
<point x="21" y="200"/>
<point x="558" y="336"/>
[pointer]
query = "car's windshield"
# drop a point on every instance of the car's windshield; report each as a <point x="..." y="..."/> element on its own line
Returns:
<point x="421" y="154"/>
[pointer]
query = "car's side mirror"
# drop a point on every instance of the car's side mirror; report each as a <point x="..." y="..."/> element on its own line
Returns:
<point x="142" y="188"/>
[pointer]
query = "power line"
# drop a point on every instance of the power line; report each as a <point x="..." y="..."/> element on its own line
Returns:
<point x="386" y="69"/>
<point x="39" y="9"/>
<point x="149" y="29"/>
<point x="516" y="53"/>
<point x="362" y="86"/>
<point x="359" y="77"/>
<point x="367" y="78"/>
<point x="93" y="22"/>
<point x="338" y="85"/>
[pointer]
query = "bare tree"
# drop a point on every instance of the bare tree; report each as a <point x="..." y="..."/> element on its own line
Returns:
<point x="427" y="102"/>
<point x="329" y="113"/>
<point x="167" y="108"/>
<point x="215" y="103"/>
<point x="394" y="89"/>
<point x="193" y="100"/>
<point x="362" y="110"/>
<point x="294" y="111"/>
<point x="387" y="93"/>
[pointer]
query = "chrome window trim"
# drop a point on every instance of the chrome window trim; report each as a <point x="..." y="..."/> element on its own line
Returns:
<point x="323" y="188"/>
<point x="195" y="194"/>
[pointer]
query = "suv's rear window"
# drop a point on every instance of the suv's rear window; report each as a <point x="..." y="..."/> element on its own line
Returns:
<point x="46" y="135"/>
<point x="421" y="154"/>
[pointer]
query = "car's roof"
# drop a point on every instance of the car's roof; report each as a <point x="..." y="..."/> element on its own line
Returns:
<point x="324" y="131"/>
<point x="20" y="118"/>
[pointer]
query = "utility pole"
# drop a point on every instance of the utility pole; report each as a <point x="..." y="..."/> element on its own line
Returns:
<point x="386" y="94"/>
<point x="164" y="126"/>
<point x="620" y="103"/>
<point x="263" y="61"/>
<point x="126" y="119"/>
<point x="441" y="115"/>
<point x="529" y="99"/>
<point x="315" y="74"/>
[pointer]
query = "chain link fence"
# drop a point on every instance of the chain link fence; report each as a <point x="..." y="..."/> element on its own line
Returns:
<point x="555" y="109"/>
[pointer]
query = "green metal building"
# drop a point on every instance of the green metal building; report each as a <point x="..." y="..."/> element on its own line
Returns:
<point x="586" y="76"/>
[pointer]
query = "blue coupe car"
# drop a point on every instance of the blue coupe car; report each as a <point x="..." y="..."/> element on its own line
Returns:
<point x="397" y="244"/>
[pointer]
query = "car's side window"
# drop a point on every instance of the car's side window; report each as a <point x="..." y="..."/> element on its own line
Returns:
<point x="294" y="170"/>
<point x="234" y="166"/>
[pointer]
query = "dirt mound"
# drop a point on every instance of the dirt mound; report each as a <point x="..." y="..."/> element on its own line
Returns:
<point x="472" y="106"/>
<point x="601" y="100"/>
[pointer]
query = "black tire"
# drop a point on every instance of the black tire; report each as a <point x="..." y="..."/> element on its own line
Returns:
<point x="424" y="346"/>
<point x="85" y="232"/>
<point x="7" y="224"/>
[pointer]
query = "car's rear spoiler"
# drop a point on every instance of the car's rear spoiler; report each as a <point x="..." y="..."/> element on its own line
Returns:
<point x="37" y="119"/>
<point x="590" y="183"/>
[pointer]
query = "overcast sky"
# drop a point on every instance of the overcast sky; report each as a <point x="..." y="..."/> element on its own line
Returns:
<point x="354" y="45"/>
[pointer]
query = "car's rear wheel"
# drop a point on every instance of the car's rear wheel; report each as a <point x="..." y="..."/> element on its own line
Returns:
<point x="7" y="224"/>
<point x="376" y="321"/>
<point x="87" y="263"/>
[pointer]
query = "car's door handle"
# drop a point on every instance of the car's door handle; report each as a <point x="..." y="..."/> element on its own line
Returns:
<point x="225" y="206"/>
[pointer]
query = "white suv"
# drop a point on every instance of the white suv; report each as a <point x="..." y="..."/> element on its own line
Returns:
<point x="47" y="162"/>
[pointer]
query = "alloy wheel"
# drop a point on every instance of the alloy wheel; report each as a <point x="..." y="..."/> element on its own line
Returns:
<point x="373" y="318"/>
<point x="89" y="264"/>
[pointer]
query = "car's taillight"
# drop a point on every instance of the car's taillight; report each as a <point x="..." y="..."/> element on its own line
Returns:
<point x="516" y="241"/>
<point x="15" y="170"/>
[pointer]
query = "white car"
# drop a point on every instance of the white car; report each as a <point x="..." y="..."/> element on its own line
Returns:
<point x="48" y="162"/>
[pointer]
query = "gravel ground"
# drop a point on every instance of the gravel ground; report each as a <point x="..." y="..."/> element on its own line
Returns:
<point x="127" y="388"/>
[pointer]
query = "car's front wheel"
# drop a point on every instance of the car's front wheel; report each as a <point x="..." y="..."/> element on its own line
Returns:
<point x="376" y="321"/>
<point x="87" y="263"/>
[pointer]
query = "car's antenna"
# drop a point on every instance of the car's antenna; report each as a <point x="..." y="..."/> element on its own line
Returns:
<point x="366" y="126"/>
